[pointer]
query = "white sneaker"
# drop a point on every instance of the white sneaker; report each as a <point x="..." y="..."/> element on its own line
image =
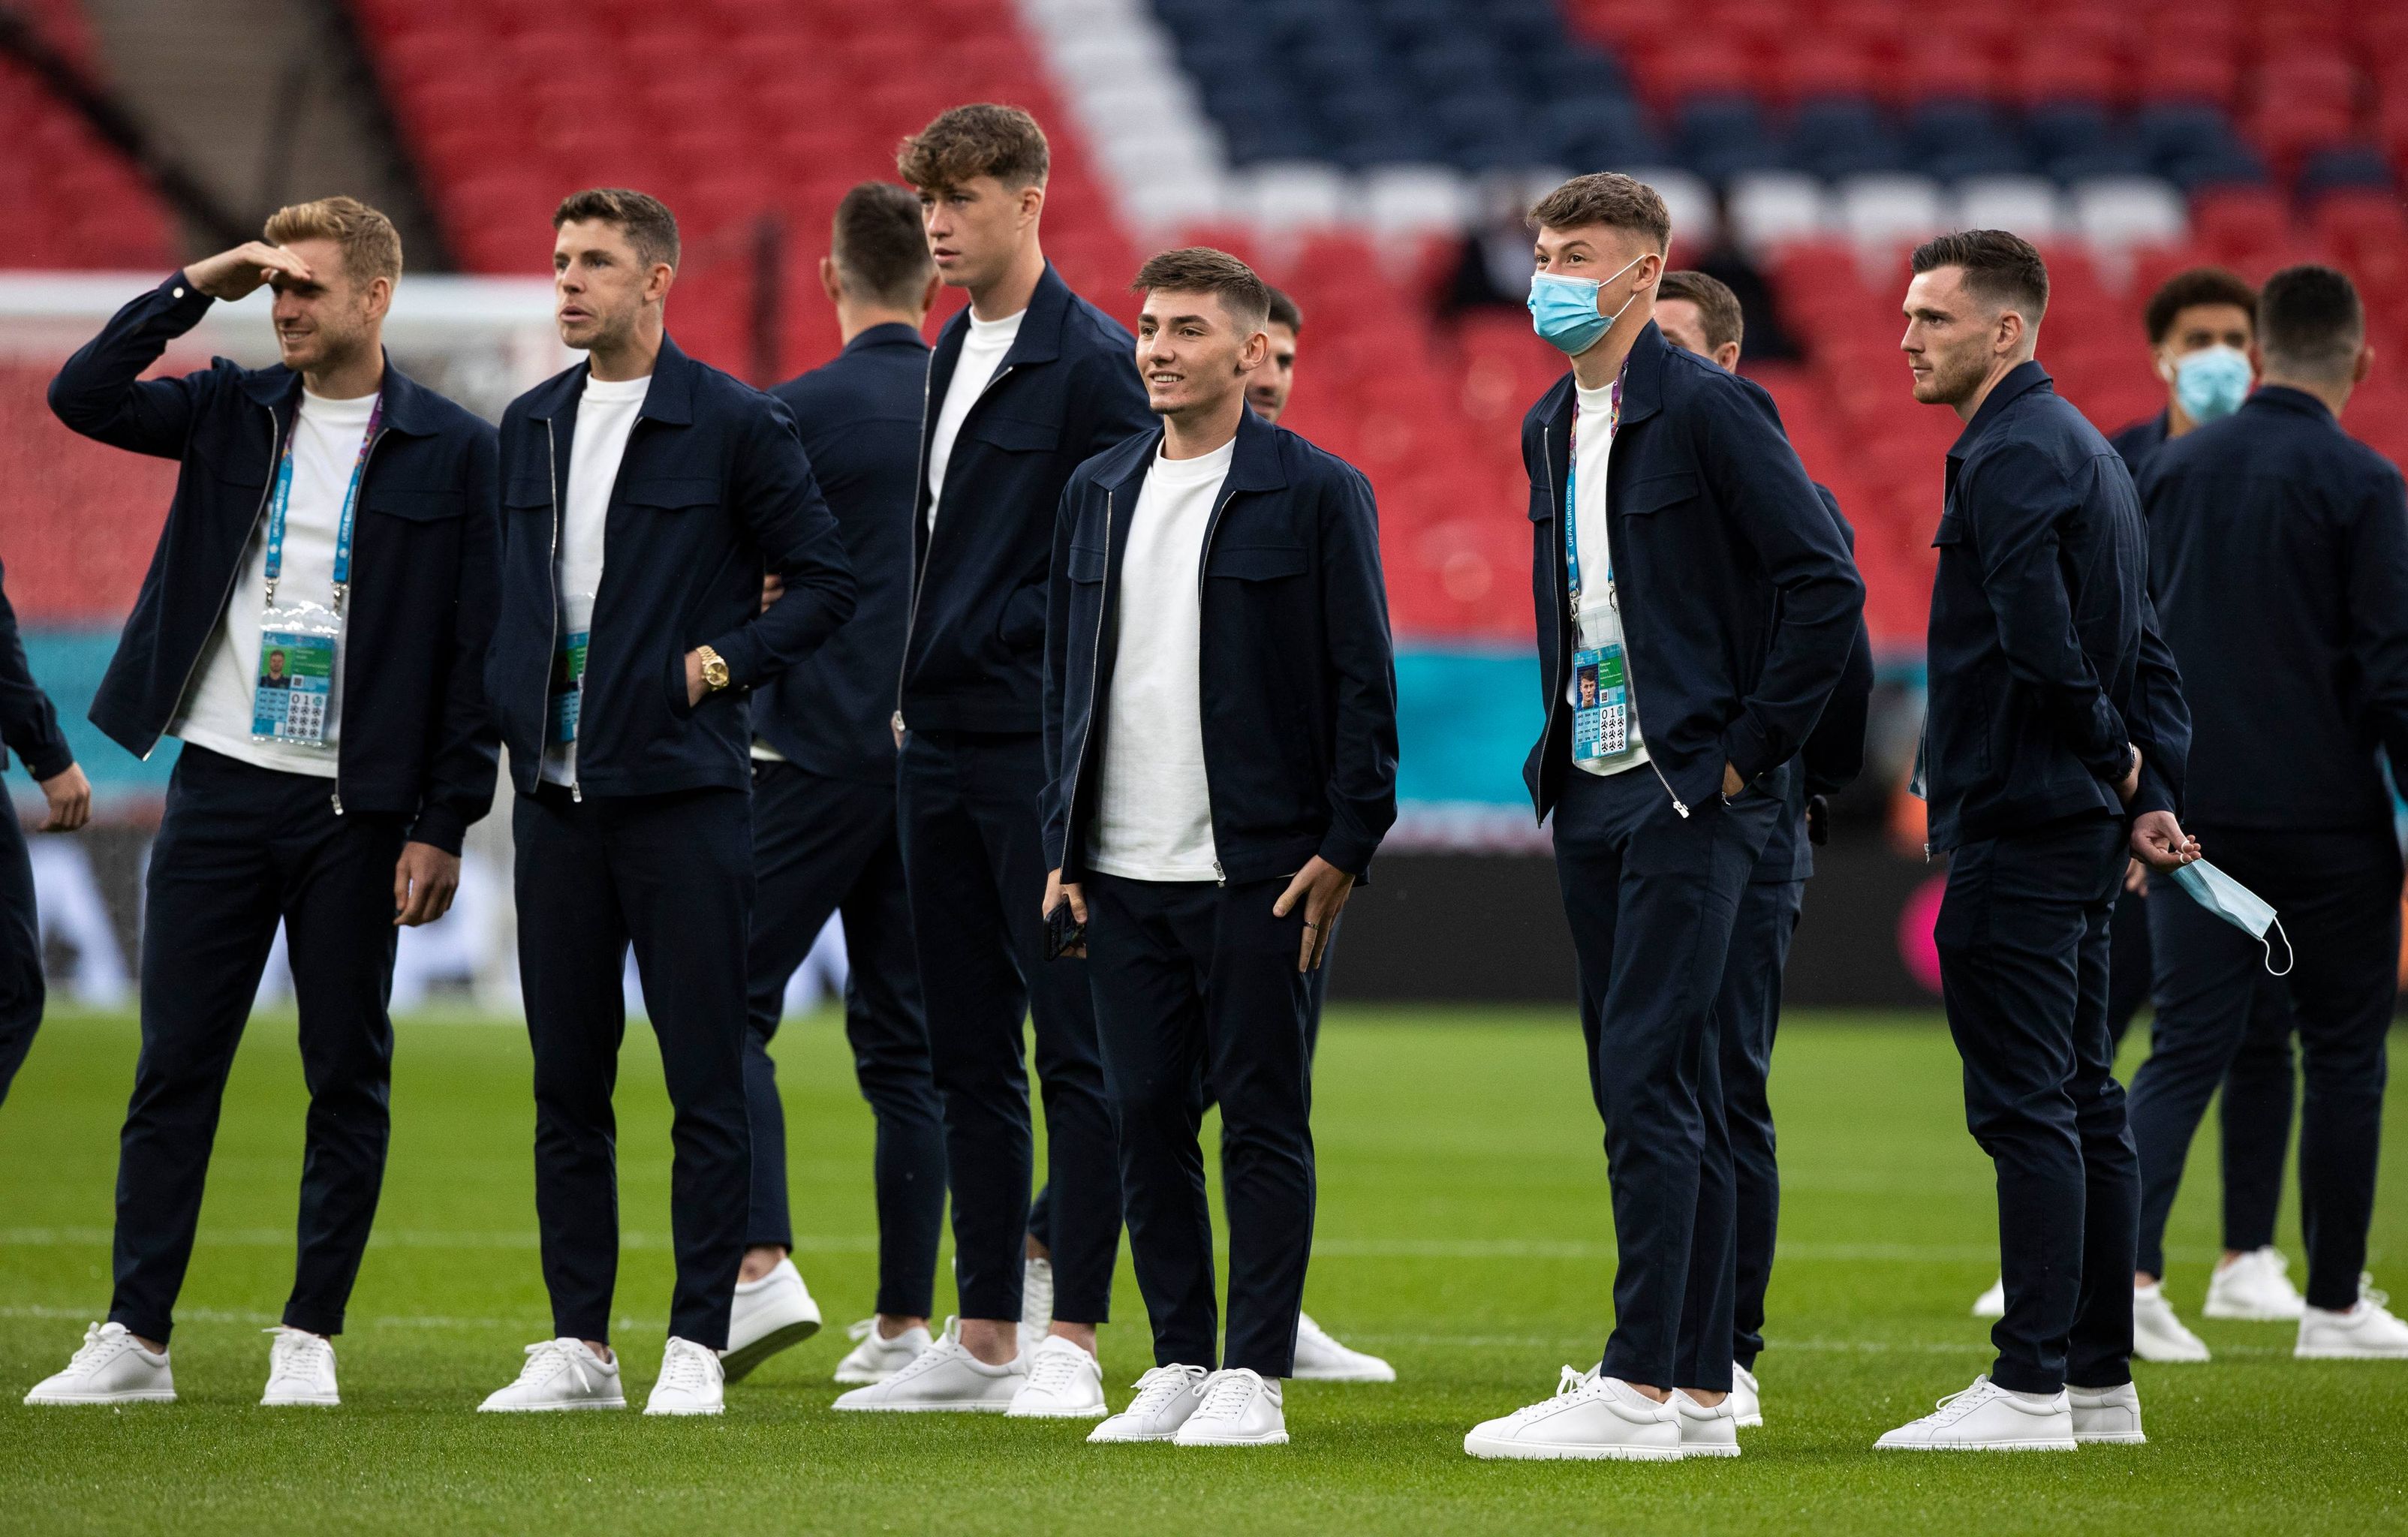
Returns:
<point x="943" y="1378"/>
<point x="2157" y="1335"/>
<point x="1746" y="1398"/>
<point x="692" y="1381"/>
<point x="2366" y="1331"/>
<point x="1706" y="1430"/>
<point x="1166" y="1396"/>
<point x="559" y="1374"/>
<point x="108" y="1367"/>
<point x="2106" y="1414"/>
<point x="1235" y="1408"/>
<point x="1065" y="1382"/>
<point x="1591" y="1416"/>
<point x="1036" y="1306"/>
<point x="300" y="1369"/>
<point x="1320" y="1359"/>
<point x="1993" y="1303"/>
<point x="768" y="1315"/>
<point x="875" y="1358"/>
<point x="2255" y="1288"/>
<point x="1986" y="1417"/>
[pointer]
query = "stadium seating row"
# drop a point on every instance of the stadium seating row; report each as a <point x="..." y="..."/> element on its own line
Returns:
<point x="67" y="198"/>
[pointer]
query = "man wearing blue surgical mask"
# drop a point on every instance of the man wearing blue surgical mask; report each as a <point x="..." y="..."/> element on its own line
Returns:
<point x="1663" y="498"/>
<point x="2278" y="559"/>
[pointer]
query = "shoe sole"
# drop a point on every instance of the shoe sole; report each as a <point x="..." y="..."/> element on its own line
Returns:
<point x="737" y="1364"/>
<point x="1276" y="1437"/>
<point x="2067" y="1444"/>
<point x="1751" y="1422"/>
<point x="2113" y="1438"/>
<point x="71" y="1400"/>
<point x="1132" y="1439"/>
<point x="2349" y="1355"/>
<point x="1098" y="1412"/>
<point x="2248" y="1315"/>
<point x="549" y="1408"/>
<point x="922" y="1408"/>
<point x="314" y="1401"/>
<point x="685" y="1413"/>
<point x="1515" y="1451"/>
<point x="1300" y="1374"/>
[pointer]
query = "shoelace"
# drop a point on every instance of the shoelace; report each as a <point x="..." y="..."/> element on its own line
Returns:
<point x="860" y="1330"/>
<point x="1964" y="1401"/>
<point x="935" y="1356"/>
<point x="2368" y="1292"/>
<point x="1162" y="1383"/>
<point x="1051" y="1370"/>
<point x="1231" y="1391"/>
<point x="686" y="1368"/>
<point x="95" y="1350"/>
<point x="298" y="1353"/>
<point x="548" y="1358"/>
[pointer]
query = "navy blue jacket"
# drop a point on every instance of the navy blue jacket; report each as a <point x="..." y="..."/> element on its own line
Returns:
<point x="29" y="727"/>
<point x="2137" y="441"/>
<point x="1834" y="753"/>
<point x="1738" y="597"/>
<point x="2278" y="559"/>
<point x="974" y="649"/>
<point x="2046" y="661"/>
<point x="859" y="417"/>
<point x="416" y="740"/>
<point x="1298" y="683"/>
<point x="712" y="493"/>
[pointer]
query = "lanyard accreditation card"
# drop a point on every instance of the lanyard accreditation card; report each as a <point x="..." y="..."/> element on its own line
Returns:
<point x="1601" y="678"/>
<point x="292" y="699"/>
<point x="567" y="690"/>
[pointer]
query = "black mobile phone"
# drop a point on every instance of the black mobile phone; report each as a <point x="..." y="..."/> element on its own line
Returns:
<point x="1063" y="932"/>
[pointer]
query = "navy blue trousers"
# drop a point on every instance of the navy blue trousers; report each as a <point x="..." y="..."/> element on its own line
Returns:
<point x="1747" y="1016"/>
<point x="975" y="865"/>
<point x="22" y="994"/>
<point x="2336" y="894"/>
<point x="2022" y="935"/>
<point x="821" y="846"/>
<point x="2255" y="1111"/>
<point x="1196" y="983"/>
<point x="240" y="847"/>
<point x="672" y="876"/>
<point x="1652" y="897"/>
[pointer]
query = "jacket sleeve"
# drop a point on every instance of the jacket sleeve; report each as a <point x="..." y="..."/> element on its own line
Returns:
<point x="28" y="725"/>
<point x="1363" y="668"/>
<point x="1052" y="815"/>
<point x="1114" y="398"/>
<point x="101" y="393"/>
<point x="1760" y="485"/>
<point x="776" y="499"/>
<point x="1834" y="753"/>
<point x="467" y="745"/>
<point x="2017" y="497"/>
<point x="2378" y="574"/>
<point x="2159" y="720"/>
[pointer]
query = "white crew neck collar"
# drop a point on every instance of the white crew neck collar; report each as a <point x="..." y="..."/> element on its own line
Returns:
<point x="608" y="390"/>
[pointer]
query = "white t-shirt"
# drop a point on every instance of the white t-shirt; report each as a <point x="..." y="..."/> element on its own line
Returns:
<point x="983" y="351"/>
<point x="1598" y="623"/>
<point x="215" y="712"/>
<point x="605" y="415"/>
<point x="1153" y="810"/>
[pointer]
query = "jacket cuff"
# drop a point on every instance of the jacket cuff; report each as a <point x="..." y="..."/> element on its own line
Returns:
<point x="55" y="759"/>
<point x="1348" y="852"/>
<point x="1745" y="748"/>
<point x="2155" y="794"/>
<point x="741" y="651"/>
<point x="1054" y="841"/>
<point x="185" y="301"/>
<point x="439" y="826"/>
<point x="2117" y="761"/>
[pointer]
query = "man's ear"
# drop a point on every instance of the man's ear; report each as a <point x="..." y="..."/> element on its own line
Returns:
<point x="2364" y="366"/>
<point x="828" y="283"/>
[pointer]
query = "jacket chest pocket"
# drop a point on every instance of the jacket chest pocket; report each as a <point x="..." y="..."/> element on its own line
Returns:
<point x="1257" y="562"/>
<point x="1655" y="492"/>
<point x="419" y="506"/>
<point x="1086" y="564"/>
<point x="669" y="492"/>
<point x="1014" y="434"/>
<point x="1952" y="531"/>
<point x="527" y="496"/>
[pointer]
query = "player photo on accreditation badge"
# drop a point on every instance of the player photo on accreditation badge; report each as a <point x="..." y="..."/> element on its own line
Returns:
<point x="272" y="673"/>
<point x="1587" y="676"/>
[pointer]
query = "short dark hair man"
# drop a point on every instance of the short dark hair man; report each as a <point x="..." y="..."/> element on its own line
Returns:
<point x="2202" y="328"/>
<point x="823" y="835"/>
<point x="2278" y="555"/>
<point x="29" y="727"/>
<point x="1235" y="569"/>
<point x="1698" y="313"/>
<point x="332" y="503"/>
<point x="1742" y="602"/>
<point x="645" y="493"/>
<point x="1268" y="387"/>
<point x="1024" y="384"/>
<point x="2053" y="743"/>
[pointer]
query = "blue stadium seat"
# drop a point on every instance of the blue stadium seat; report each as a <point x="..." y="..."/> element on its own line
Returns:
<point x="1949" y="139"/>
<point x="1596" y="130"/>
<point x="1838" y="136"/>
<point x="1720" y="136"/>
<point x="2347" y="167"/>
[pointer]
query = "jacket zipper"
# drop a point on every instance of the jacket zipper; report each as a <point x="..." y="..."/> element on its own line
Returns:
<point x="551" y="585"/>
<point x="275" y="440"/>
<point x="1220" y="877"/>
<point x="1094" y="658"/>
<point x="918" y="578"/>
<point x="1629" y="680"/>
<point x="365" y="459"/>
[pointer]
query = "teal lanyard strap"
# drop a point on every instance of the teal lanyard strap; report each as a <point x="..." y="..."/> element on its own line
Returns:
<point x="1571" y="512"/>
<point x="283" y="497"/>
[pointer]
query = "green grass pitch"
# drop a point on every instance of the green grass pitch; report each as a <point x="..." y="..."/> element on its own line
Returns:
<point x="1464" y="1233"/>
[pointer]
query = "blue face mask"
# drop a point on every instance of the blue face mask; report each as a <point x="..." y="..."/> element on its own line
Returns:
<point x="2238" y="905"/>
<point x="1563" y="310"/>
<point x="2211" y="382"/>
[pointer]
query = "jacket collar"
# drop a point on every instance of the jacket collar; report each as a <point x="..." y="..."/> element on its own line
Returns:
<point x="2281" y="397"/>
<point x="892" y="334"/>
<point x="409" y="405"/>
<point x="1643" y="382"/>
<point x="669" y="399"/>
<point x="1039" y="337"/>
<point x="2022" y="379"/>
<point x="1254" y="466"/>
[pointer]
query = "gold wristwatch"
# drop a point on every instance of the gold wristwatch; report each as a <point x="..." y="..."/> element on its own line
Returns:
<point x="715" y="668"/>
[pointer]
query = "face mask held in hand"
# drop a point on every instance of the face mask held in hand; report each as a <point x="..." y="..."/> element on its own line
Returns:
<point x="2211" y="382"/>
<point x="2238" y="905"/>
<point x="1563" y="310"/>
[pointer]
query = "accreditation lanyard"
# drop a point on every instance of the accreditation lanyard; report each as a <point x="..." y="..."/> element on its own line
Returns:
<point x="1600" y="674"/>
<point x="282" y="499"/>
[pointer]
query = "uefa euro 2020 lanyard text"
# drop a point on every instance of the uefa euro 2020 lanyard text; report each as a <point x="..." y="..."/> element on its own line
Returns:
<point x="294" y="693"/>
<point x="1601" y="678"/>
